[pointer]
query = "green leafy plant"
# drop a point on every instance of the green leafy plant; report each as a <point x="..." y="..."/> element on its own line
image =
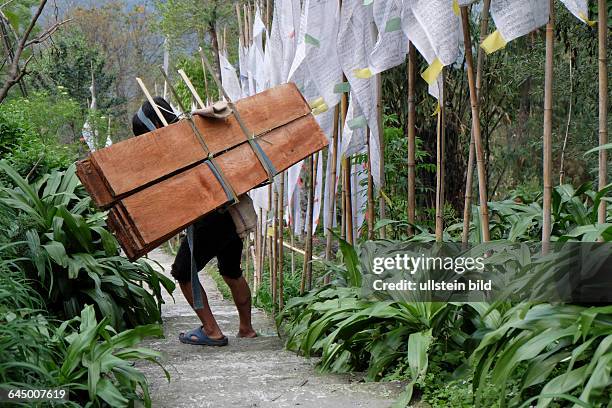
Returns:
<point x="566" y="349"/>
<point x="74" y="258"/>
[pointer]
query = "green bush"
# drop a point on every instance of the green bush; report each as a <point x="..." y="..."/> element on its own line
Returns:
<point x="38" y="134"/>
<point x="88" y="357"/>
<point x="73" y="257"/>
<point x="490" y="355"/>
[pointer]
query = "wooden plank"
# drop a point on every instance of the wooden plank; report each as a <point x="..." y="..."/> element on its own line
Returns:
<point x="93" y="181"/>
<point x="125" y="167"/>
<point x="160" y="211"/>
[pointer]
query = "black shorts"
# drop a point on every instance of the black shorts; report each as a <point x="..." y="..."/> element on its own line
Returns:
<point x="214" y="236"/>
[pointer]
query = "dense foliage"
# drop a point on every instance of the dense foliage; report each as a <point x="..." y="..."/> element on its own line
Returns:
<point x="37" y="133"/>
<point x="73" y="256"/>
<point x="72" y="310"/>
<point x="482" y="354"/>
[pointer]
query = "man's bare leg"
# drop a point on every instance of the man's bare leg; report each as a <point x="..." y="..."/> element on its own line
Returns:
<point x="209" y="324"/>
<point x="242" y="298"/>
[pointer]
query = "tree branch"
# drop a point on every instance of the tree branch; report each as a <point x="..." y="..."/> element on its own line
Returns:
<point x="15" y="73"/>
<point x="48" y="33"/>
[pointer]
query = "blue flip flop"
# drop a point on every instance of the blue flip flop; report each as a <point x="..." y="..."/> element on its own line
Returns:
<point x="201" y="338"/>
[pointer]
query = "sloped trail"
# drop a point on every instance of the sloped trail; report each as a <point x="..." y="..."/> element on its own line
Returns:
<point x="248" y="372"/>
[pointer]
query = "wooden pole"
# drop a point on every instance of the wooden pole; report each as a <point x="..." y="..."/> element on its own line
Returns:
<point x="306" y="278"/>
<point x="268" y="13"/>
<point x="547" y="136"/>
<point x="411" y="137"/>
<point x="482" y="177"/>
<point x="382" y="205"/>
<point x="152" y="102"/>
<point x="331" y="186"/>
<point x="314" y="161"/>
<point x="205" y="76"/>
<point x="603" y="104"/>
<point x="281" y="216"/>
<point x="370" y="208"/>
<point x="240" y="30"/>
<point x="262" y="246"/>
<point x="348" y="198"/>
<point x="249" y="14"/>
<point x="191" y="88"/>
<point x="467" y="206"/>
<point x="274" y="248"/>
<point x="346" y="183"/>
<point x="347" y="213"/>
<point x="256" y="244"/>
<point x="440" y="167"/>
<point x="292" y="244"/>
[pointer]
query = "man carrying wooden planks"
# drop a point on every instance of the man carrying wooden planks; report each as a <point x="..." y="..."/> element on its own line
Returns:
<point x="213" y="235"/>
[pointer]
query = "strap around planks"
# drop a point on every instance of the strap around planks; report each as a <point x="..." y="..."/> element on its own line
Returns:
<point x="218" y="173"/>
<point x="196" y="293"/>
<point x="261" y="155"/>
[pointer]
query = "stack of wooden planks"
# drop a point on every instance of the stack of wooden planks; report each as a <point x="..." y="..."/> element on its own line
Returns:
<point x="156" y="184"/>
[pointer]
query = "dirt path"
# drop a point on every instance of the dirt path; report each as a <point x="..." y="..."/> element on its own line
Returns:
<point x="248" y="372"/>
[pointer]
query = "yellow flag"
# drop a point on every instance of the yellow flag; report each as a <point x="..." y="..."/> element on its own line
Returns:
<point x="437" y="110"/>
<point x="433" y="71"/>
<point x="320" y="109"/>
<point x="456" y="7"/>
<point x="364" y="73"/>
<point x="494" y="42"/>
<point x="317" y="102"/>
<point x="585" y="18"/>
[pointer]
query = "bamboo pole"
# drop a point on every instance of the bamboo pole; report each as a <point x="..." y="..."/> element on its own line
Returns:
<point x="440" y="167"/>
<point x="274" y="247"/>
<point x="347" y="212"/>
<point x="603" y="105"/>
<point x="331" y="185"/>
<point x="191" y="88"/>
<point x="281" y="215"/>
<point x="204" y="70"/>
<point x="292" y="244"/>
<point x="152" y="102"/>
<point x="348" y="198"/>
<point x="306" y="279"/>
<point x="346" y="184"/>
<point x="411" y="137"/>
<point x="467" y="206"/>
<point x="310" y="226"/>
<point x="256" y="245"/>
<point x="262" y="246"/>
<point x="382" y="205"/>
<point x="240" y="30"/>
<point x="482" y="177"/>
<point x="547" y="136"/>
<point x="370" y="207"/>
<point x="250" y="22"/>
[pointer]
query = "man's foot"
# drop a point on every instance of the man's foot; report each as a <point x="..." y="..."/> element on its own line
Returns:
<point x="199" y="337"/>
<point x="248" y="334"/>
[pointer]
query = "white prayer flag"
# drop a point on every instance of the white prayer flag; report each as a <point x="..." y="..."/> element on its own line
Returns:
<point x="355" y="43"/>
<point x="579" y="8"/>
<point x="392" y="45"/>
<point x="513" y="19"/>
<point x="229" y="80"/>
